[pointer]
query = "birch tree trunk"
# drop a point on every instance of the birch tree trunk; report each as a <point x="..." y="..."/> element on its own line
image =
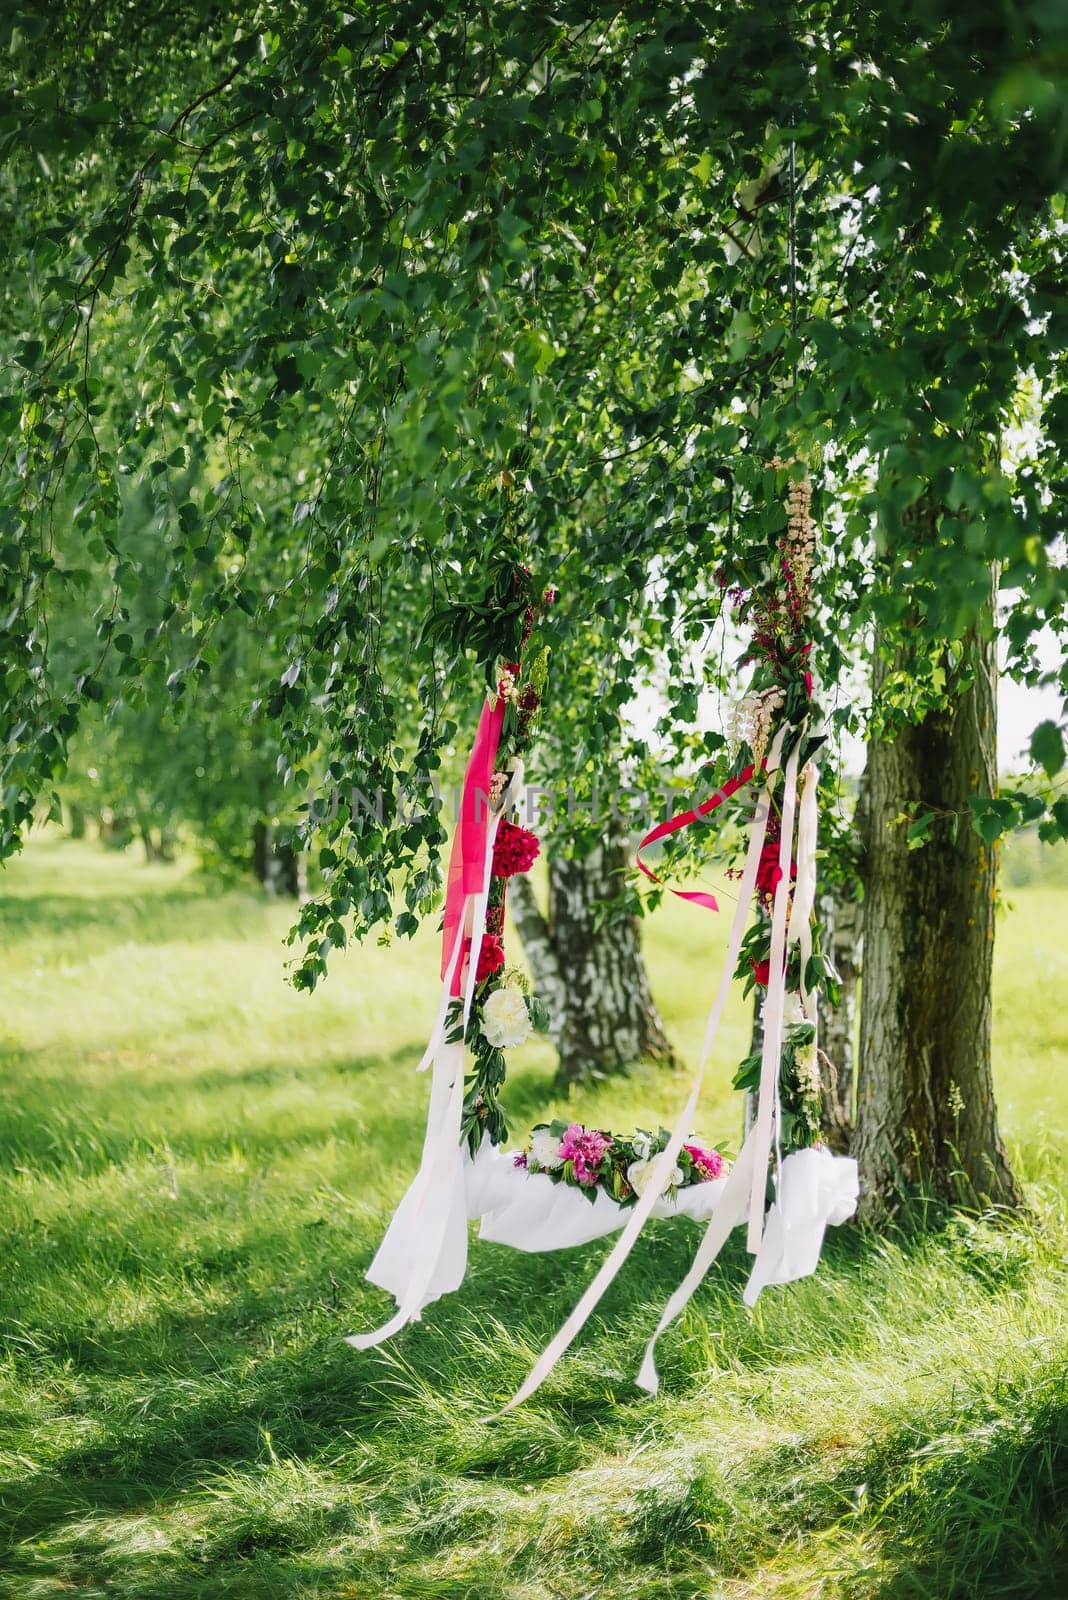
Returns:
<point x="926" y="1119"/>
<point x="586" y="958"/>
<point x="278" y="866"/>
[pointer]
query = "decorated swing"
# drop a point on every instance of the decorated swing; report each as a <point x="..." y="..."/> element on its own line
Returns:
<point x="571" y="1183"/>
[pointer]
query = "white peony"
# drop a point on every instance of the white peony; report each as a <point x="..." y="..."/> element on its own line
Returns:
<point x="793" y="1010"/>
<point x="505" y="1019"/>
<point x="639" y="1176"/>
<point x="545" y="1149"/>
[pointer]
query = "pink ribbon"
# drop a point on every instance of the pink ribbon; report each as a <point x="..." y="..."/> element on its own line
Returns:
<point x="683" y="820"/>
<point x="467" y="860"/>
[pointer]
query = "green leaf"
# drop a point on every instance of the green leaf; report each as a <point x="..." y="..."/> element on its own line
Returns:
<point x="987" y="821"/>
<point x="539" y="1014"/>
<point x="28" y="353"/>
<point x="1047" y="748"/>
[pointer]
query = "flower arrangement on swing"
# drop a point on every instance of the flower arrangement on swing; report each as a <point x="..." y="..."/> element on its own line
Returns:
<point x="571" y="1183"/>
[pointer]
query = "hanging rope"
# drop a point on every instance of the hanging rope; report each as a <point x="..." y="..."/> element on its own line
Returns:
<point x="791" y="232"/>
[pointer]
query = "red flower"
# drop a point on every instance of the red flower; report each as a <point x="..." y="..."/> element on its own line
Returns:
<point x="768" y="870"/>
<point x="762" y="971"/>
<point x="490" y="957"/>
<point x="514" y="850"/>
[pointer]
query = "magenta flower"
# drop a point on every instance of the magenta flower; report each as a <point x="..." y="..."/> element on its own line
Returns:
<point x="584" y="1148"/>
<point x="707" y="1163"/>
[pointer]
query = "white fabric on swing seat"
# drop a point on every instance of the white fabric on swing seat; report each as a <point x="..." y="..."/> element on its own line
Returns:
<point x="528" y="1211"/>
<point x="424" y="1252"/>
<point x="815" y="1189"/>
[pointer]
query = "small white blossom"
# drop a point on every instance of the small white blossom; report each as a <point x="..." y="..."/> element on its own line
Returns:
<point x="507" y="687"/>
<point x="639" y="1176"/>
<point x="808" y="1070"/>
<point x="793" y="1011"/>
<point x="545" y="1149"/>
<point x="762" y="707"/>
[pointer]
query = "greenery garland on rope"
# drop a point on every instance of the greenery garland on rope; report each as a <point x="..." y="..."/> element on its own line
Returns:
<point x="771" y="592"/>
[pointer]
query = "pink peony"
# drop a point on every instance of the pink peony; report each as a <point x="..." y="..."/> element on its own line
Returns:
<point x="584" y="1148"/>
<point x="707" y="1163"/>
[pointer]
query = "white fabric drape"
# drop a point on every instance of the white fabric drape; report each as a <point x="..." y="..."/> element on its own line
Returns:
<point x="424" y="1252"/>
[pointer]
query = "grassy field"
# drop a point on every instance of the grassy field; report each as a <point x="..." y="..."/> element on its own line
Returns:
<point x="195" y="1167"/>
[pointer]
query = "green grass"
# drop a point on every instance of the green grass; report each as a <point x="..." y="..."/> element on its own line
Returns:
<point x="197" y="1164"/>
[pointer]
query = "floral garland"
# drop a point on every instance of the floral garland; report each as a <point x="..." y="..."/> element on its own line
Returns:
<point x="775" y="603"/>
<point x="590" y="1160"/>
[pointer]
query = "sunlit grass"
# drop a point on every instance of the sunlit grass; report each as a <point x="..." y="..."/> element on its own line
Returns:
<point x="197" y="1164"/>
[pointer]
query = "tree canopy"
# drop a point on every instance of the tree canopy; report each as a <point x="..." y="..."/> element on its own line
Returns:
<point x="363" y="308"/>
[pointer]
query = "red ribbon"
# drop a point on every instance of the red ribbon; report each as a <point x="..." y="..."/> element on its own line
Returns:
<point x="467" y="862"/>
<point x="683" y="820"/>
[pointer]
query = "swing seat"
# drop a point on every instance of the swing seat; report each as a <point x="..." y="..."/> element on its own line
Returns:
<point x="529" y="1211"/>
<point x="424" y="1252"/>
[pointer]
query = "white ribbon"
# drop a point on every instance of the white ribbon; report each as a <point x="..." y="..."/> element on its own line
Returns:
<point x="424" y="1252"/>
<point x="767" y="1113"/>
<point x="747" y="1183"/>
<point x="729" y="1212"/>
<point x="800" y="930"/>
<point x="665" y="1162"/>
<point x="815" y="1188"/>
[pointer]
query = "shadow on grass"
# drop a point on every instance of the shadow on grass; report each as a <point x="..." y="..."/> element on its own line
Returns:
<point x="217" y="1395"/>
<point x="156" y="915"/>
<point x="55" y="1123"/>
<point x="979" y="1511"/>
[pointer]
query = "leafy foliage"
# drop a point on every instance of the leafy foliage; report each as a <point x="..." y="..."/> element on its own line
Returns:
<point x="368" y="301"/>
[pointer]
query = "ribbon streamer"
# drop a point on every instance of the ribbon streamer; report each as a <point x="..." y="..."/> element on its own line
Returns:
<point x="469" y="840"/>
<point x="424" y="1252"/>
<point x="804" y="901"/>
<point x="767" y="1115"/>
<point x="730" y="1210"/>
<point x="683" y="820"/>
<point x="665" y="1162"/>
<point x="747" y="1182"/>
